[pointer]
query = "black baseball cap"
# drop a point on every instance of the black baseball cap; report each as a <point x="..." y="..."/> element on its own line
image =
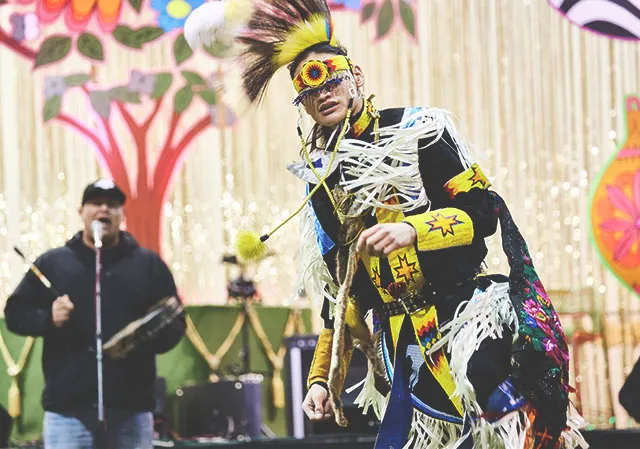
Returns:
<point x="103" y="188"/>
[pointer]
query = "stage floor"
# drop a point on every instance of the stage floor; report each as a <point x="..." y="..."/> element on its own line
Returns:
<point x="598" y="439"/>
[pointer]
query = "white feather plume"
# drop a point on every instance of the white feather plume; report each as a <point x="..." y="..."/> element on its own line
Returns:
<point x="204" y="23"/>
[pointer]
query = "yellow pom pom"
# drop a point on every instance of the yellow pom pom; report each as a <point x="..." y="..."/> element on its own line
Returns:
<point x="250" y="246"/>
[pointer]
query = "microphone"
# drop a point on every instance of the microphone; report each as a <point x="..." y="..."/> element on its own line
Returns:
<point x="96" y="227"/>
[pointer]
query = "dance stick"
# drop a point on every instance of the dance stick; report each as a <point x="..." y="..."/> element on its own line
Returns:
<point x="38" y="273"/>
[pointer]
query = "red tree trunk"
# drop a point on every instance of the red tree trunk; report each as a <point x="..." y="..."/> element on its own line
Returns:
<point x="144" y="221"/>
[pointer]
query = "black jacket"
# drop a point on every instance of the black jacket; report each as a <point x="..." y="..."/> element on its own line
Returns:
<point x="133" y="280"/>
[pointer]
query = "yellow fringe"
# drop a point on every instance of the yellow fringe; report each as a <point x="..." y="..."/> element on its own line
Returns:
<point x="278" y="389"/>
<point x="276" y="359"/>
<point x="14" y="399"/>
<point x="294" y="322"/>
<point x="14" y="369"/>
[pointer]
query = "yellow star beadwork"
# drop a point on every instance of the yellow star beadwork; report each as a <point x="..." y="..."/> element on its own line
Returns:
<point x="406" y="269"/>
<point x="444" y="224"/>
<point x="471" y="178"/>
<point x="377" y="281"/>
<point x="477" y="177"/>
<point x="443" y="220"/>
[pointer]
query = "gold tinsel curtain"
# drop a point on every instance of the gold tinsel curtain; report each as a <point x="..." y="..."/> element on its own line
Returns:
<point x="540" y="99"/>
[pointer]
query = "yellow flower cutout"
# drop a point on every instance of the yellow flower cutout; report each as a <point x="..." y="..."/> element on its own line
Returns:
<point x="314" y="73"/>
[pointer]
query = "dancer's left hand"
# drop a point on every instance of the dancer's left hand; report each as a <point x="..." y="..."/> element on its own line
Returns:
<point x="380" y="240"/>
<point x="317" y="405"/>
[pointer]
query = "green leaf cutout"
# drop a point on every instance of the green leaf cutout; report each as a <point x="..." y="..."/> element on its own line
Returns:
<point x="91" y="47"/>
<point x="53" y="49"/>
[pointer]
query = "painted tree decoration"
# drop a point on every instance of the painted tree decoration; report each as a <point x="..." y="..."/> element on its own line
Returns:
<point x="389" y="13"/>
<point x="385" y="13"/>
<point x="147" y="191"/>
<point x="87" y="24"/>
<point x="615" y="205"/>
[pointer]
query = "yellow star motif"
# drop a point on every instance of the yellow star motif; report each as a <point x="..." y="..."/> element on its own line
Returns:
<point x="377" y="281"/>
<point x="477" y="177"/>
<point x="406" y="269"/>
<point x="444" y="224"/>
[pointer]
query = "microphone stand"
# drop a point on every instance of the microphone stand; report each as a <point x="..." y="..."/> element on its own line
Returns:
<point x="98" y="301"/>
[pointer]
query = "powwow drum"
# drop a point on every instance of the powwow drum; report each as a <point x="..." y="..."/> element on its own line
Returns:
<point x="143" y="329"/>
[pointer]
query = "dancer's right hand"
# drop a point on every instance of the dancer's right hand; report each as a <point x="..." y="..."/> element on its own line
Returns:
<point x="316" y="405"/>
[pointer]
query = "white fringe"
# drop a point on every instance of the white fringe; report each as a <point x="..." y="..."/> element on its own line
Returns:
<point x="484" y="316"/>
<point x="369" y="396"/>
<point x="314" y="279"/>
<point x="377" y="172"/>
<point x="572" y="436"/>
<point x="510" y="432"/>
<point x="374" y="170"/>
<point x="430" y="433"/>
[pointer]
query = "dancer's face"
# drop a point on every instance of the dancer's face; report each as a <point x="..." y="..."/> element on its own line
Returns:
<point x="328" y="106"/>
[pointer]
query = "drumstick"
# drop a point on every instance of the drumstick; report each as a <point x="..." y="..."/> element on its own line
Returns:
<point x="38" y="273"/>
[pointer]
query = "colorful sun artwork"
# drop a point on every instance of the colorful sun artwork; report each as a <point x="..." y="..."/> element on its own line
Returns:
<point x="314" y="73"/>
<point x="615" y="206"/>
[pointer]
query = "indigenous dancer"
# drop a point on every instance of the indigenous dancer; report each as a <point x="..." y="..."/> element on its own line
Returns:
<point x="394" y="225"/>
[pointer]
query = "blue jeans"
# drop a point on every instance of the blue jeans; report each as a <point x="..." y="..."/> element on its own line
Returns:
<point x="81" y="430"/>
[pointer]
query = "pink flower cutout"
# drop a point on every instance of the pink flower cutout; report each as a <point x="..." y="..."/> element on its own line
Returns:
<point x="630" y="227"/>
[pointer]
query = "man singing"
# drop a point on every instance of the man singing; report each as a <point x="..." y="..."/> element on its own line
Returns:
<point x="133" y="279"/>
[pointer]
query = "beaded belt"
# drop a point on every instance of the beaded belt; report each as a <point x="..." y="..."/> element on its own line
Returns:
<point x="406" y="304"/>
<point x="412" y="302"/>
